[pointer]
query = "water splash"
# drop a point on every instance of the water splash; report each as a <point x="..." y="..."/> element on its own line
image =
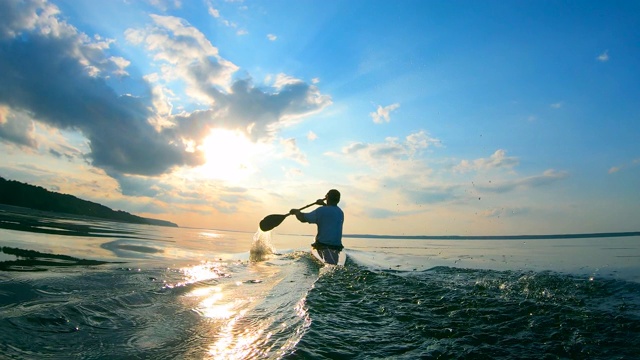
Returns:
<point x="261" y="248"/>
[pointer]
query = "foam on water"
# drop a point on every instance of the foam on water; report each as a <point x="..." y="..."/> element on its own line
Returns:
<point x="457" y="313"/>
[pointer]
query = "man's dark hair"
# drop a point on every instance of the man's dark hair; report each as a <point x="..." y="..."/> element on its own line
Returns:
<point x="333" y="196"/>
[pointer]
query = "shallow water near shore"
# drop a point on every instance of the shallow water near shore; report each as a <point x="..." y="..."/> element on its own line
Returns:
<point x="87" y="289"/>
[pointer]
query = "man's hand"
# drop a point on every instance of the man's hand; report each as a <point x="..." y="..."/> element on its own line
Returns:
<point x="320" y="202"/>
<point x="299" y="215"/>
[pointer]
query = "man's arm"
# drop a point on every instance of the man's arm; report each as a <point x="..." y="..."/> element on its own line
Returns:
<point x="299" y="215"/>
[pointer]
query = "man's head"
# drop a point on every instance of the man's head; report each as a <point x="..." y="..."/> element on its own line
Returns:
<point x="333" y="197"/>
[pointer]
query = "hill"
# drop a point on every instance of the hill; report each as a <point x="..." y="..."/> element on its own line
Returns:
<point x="16" y="193"/>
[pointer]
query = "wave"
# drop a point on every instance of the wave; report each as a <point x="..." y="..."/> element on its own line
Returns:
<point x="230" y="309"/>
<point x="446" y="312"/>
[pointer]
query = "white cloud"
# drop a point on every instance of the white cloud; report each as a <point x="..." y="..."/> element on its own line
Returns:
<point x="292" y="151"/>
<point x="165" y="5"/>
<point x="272" y="37"/>
<point x="17" y="128"/>
<point x="283" y="80"/>
<point x="498" y="159"/>
<point x="383" y="114"/>
<point x="69" y="64"/>
<point x="557" y="105"/>
<point x="421" y="140"/>
<point x="185" y="54"/>
<point x="37" y="16"/>
<point x="604" y="57"/>
<point x="229" y="24"/>
<point x="212" y="11"/>
<point x="311" y="136"/>
<point x="548" y="177"/>
<point x="395" y="173"/>
<point x="249" y="109"/>
<point x="504" y="212"/>
<point x="378" y="152"/>
<point x="631" y="164"/>
<point x="121" y="64"/>
<point x="396" y="166"/>
<point x="74" y="66"/>
<point x="392" y="149"/>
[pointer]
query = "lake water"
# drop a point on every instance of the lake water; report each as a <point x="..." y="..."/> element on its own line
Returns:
<point x="88" y="289"/>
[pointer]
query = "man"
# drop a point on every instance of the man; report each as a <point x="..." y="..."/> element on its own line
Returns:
<point x="329" y="219"/>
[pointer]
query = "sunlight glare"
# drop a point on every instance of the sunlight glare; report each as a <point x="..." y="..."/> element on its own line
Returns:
<point x="211" y="307"/>
<point x="240" y="342"/>
<point x="228" y="155"/>
<point x="201" y="272"/>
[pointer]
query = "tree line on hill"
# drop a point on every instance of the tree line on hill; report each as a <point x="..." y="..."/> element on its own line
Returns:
<point x="20" y="194"/>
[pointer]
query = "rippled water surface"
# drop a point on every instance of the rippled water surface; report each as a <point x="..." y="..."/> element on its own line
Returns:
<point x="106" y="290"/>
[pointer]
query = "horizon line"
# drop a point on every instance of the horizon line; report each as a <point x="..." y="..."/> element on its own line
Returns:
<point x="495" y="237"/>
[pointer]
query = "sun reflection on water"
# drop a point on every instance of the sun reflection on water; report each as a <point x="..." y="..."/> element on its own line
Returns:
<point x="239" y="341"/>
<point x="201" y="272"/>
<point x="213" y="305"/>
<point x="210" y="235"/>
<point x="236" y="320"/>
<point x="234" y="334"/>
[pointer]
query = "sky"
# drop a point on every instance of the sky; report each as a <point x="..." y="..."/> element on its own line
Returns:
<point x="430" y="117"/>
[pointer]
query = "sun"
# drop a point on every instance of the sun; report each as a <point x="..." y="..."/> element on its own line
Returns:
<point x="229" y="155"/>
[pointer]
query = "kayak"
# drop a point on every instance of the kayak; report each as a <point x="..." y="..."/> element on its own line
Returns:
<point x="329" y="256"/>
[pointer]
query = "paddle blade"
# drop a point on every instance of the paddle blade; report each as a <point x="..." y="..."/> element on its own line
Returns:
<point x="271" y="221"/>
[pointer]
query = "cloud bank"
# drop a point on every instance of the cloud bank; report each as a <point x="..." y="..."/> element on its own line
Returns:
<point x="51" y="73"/>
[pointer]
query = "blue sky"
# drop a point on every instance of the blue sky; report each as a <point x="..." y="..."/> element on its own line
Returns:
<point x="431" y="117"/>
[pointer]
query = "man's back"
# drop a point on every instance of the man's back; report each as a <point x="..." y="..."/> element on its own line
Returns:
<point x="329" y="220"/>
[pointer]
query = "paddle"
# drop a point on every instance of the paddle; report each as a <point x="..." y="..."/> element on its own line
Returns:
<point x="271" y="221"/>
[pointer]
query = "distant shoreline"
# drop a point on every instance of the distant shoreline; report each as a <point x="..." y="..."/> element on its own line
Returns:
<point x="27" y="196"/>
<point x="36" y="212"/>
<point x="494" y="237"/>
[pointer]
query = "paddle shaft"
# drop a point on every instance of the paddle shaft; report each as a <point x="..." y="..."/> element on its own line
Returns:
<point x="306" y="206"/>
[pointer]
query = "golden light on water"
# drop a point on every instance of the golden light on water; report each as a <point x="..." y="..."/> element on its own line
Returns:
<point x="236" y="341"/>
<point x="233" y="316"/>
<point x="235" y="337"/>
<point x="213" y="306"/>
<point x="210" y="305"/>
<point x="202" y="272"/>
<point x="210" y="235"/>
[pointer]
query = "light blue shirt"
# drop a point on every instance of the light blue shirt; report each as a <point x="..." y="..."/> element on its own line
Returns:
<point x="329" y="220"/>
